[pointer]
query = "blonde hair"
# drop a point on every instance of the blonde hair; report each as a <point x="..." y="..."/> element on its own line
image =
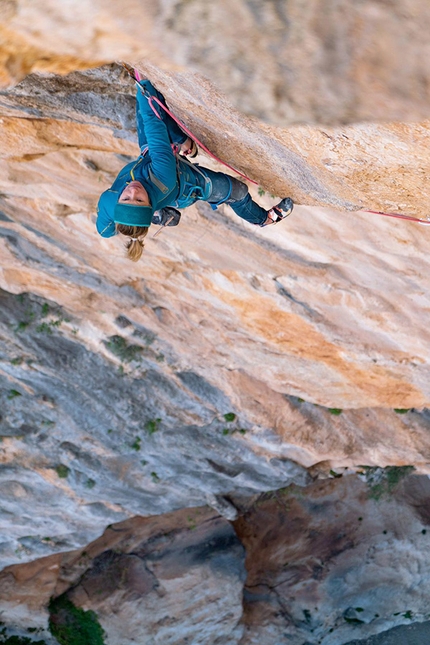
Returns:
<point x="134" y="246"/>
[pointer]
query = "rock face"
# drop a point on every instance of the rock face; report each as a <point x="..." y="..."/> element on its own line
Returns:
<point x="87" y="442"/>
<point x="152" y="580"/>
<point x="337" y="562"/>
<point x="286" y="62"/>
<point x="342" y="558"/>
<point x="230" y="360"/>
<point x="378" y="167"/>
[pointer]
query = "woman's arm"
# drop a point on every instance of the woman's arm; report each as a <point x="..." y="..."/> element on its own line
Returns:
<point x="157" y="138"/>
<point x="105" y="224"/>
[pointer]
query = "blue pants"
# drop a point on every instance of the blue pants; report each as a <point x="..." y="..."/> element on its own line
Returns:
<point x="231" y="191"/>
<point x="225" y="189"/>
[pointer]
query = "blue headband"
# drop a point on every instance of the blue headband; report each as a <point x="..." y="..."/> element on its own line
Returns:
<point x="132" y="215"/>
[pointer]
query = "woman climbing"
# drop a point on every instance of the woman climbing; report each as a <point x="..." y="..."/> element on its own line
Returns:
<point x="149" y="189"/>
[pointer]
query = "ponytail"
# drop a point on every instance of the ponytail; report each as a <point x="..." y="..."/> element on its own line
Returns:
<point x="135" y="244"/>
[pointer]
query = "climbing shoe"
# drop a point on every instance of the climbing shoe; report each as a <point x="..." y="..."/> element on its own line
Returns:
<point x="279" y="212"/>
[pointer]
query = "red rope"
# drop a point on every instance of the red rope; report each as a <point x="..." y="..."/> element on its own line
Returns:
<point x="199" y="143"/>
<point x="190" y="134"/>
<point x="399" y="216"/>
<point x="194" y="138"/>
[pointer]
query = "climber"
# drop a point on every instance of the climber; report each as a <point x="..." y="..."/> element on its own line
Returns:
<point x="148" y="189"/>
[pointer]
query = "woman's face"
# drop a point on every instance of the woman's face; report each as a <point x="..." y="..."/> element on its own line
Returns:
<point x="134" y="194"/>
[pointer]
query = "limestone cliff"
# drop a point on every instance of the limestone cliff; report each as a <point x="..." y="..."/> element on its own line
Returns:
<point x="341" y="560"/>
<point x="230" y="360"/>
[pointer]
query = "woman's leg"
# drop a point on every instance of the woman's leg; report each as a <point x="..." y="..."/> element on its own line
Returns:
<point x="231" y="191"/>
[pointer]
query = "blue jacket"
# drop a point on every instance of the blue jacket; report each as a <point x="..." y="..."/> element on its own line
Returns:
<point x="168" y="179"/>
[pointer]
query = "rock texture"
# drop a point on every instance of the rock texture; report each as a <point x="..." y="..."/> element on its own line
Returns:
<point x="86" y="442"/>
<point x="173" y="579"/>
<point x="117" y="377"/>
<point x="343" y="558"/>
<point x="230" y="360"/>
<point x="285" y="62"/>
<point x="377" y="167"/>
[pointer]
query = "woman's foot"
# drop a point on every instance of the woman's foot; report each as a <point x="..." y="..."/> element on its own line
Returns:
<point x="189" y="148"/>
<point x="279" y="212"/>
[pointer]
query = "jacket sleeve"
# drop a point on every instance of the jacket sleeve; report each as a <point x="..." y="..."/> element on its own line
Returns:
<point x="105" y="224"/>
<point x="157" y="137"/>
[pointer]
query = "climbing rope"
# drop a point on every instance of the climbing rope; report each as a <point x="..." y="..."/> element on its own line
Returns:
<point x="151" y="99"/>
<point x="133" y="72"/>
<point x="400" y="216"/>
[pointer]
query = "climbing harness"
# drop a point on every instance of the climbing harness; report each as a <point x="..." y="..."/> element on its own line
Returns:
<point x="151" y="99"/>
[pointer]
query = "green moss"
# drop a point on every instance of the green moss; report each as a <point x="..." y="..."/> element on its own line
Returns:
<point x="383" y="481"/>
<point x="118" y="346"/>
<point x="62" y="471"/>
<point x="13" y="393"/>
<point x="152" y="425"/>
<point x="56" y="323"/>
<point x="136" y="444"/>
<point x="44" y="328"/>
<point x="402" y="410"/>
<point x="23" y="324"/>
<point x="395" y="474"/>
<point x="229" y="417"/>
<point x="335" y="411"/>
<point x="71" y="625"/>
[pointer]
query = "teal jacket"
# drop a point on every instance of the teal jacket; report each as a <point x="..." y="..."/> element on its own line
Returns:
<point x="168" y="179"/>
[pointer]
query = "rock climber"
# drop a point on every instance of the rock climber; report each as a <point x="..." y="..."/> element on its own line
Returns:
<point x="151" y="188"/>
